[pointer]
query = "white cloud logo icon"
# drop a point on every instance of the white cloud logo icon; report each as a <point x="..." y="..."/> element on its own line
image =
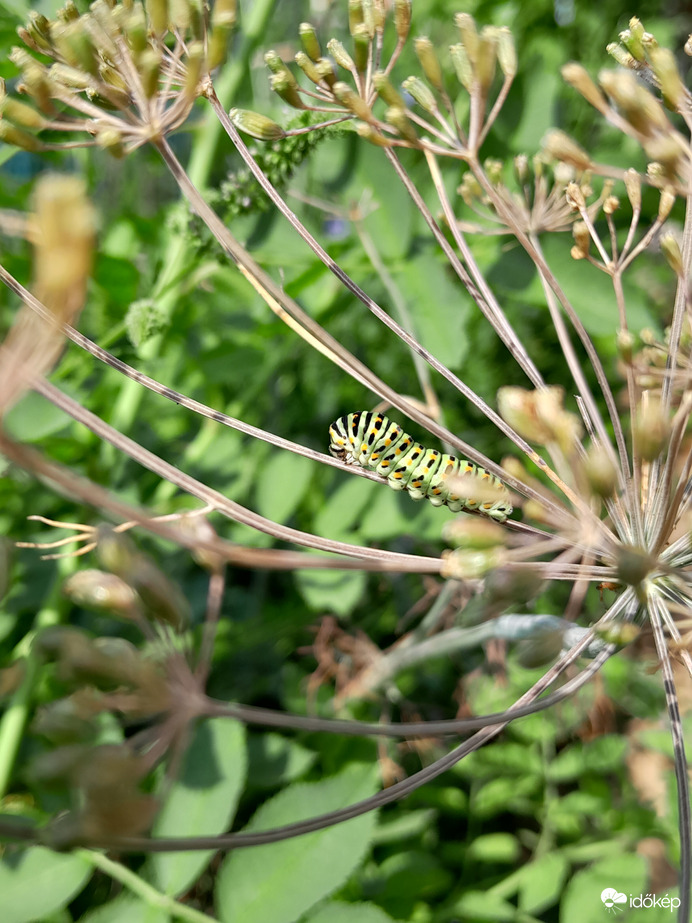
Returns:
<point x="611" y="897"/>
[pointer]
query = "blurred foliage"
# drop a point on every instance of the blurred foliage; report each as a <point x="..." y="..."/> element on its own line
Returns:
<point x="548" y="813"/>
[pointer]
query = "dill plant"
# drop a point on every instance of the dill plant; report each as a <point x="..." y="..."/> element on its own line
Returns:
<point x="599" y="479"/>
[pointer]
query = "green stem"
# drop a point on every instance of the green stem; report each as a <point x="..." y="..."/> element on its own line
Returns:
<point x="167" y="287"/>
<point x="142" y="889"/>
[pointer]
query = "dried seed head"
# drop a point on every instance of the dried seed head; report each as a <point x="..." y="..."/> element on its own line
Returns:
<point x="575" y="197"/>
<point x="256" y="125"/>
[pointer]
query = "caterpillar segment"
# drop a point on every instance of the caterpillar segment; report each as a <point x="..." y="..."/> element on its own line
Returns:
<point x="373" y="441"/>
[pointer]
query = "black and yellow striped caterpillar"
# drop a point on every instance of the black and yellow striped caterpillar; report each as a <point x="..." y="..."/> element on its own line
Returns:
<point x="372" y="441"/>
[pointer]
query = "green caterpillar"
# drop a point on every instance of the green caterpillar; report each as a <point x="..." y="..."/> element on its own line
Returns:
<point x="372" y="441"/>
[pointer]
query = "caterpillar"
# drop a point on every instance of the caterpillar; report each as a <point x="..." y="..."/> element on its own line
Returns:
<point x="373" y="441"/>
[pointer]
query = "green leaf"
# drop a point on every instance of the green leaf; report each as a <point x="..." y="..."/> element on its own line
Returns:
<point x="479" y="906"/>
<point x="495" y="847"/>
<point x="275" y="760"/>
<point x="34" y="418"/>
<point x="582" y="903"/>
<point x="340" y="912"/>
<point x="438" y="307"/>
<point x="569" y="764"/>
<point x="126" y="908"/>
<point x="335" y="591"/>
<point x="37" y="882"/>
<point x="340" y="512"/>
<point x="542" y="882"/>
<point x="202" y="801"/>
<point x="281" y="484"/>
<point x="278" y="882"/>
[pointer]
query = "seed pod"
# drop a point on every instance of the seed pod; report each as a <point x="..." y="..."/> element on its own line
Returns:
<point x="368" y="133"/>
<point x="287" y="90"/>
<point x="469" y="35"/>
<point x="352" y="101"/>
<point x="10" y="134"/>
<point x="578" y="77"/>
<point x="309" y="41"/>
<point x="462" y="66"/>
<point x="157" y="16"/>
<point x="669" y="79"/>
<point x="560" y="146"/>
<point x="308" y="67"/>
<point x="398" y="118"/>
<point x="426" y="54"/>
<point x="340" y="55"/>
<point x="421" y="93"/>
<point x="633" y="185"/>
<point x="402" y="18"/>
<point x="361" y="48"/>
<point x="671" y="250"/>
<point x="471" y="565"/>
<point x="21" y="114"/>
<point x="386" y="91"/>
<point x="223" y="20"/>
<point x="99" y="590"/>
<point x="506" y="52"/>
<point x="473" y="534"/>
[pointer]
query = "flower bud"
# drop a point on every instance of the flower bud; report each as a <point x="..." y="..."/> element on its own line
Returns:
<point x="462" y="66"/>
<point x="666" y="203"/>
<point x="368" y="133"/>
<point x="149" y="71"/>
<point x="402" y="18"/>
<point x="355" y="14"/>
<point x="348" y="97"/>
<point x="561" y="147"/>
<point x="309" y="41"/>
<point x="469" y="35"/>
<point x="308" y="67"/>
<point x="340" y="55"/>
<point x="361" y="48"/>
<point x="575" y="197"/>
<point x="651" y="429"/>
<point x="157" y="16"/>
<point x="582" y="239"/>
<point x="632" y="39"/>
<point x="421" y="93"/>
<point x="426" y="54"/>
<point x="96" y="589"/>
<point x="600" y="472"/>
<point x="506" y="52"/>
<point x="256" y="125"/>
<point x="386" y="91"/>
<point x="21" y="114"/>
<point x="670" y="82"/>
<point x="471" y="565"/>
<point x="671" y="250"/>
<point x="621" y="56"/>
<point x="287" y="90"/>
<point x="487" y="60"/>
<point x="473" y="534"/>
<point x="10" y="134"/>
<point x="223" y="20"/>
<point x="633" y="185"/>
<point x="398" y="118"/>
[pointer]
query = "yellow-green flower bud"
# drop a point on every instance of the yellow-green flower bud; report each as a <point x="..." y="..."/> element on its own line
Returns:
<point x="621" y="56"/>
<point x="308" y="67"/>
<point x="256" y="125"/>
<point x="157" y="15"/>
<point x="71" y="77"/>
<point x="368" y="133"/>
<point x="37" y="86"/>
<point x="340" y="55"/>
<point x="671" y="250"/>
<point x="21" y="114"/>
<point x="561" y="147"/>
<point x="194" y="63"/>
<point x="633" y="185"/>
<point x="469" y="35"/>
<point x="309" y="41"/>
<point x="487" y="60"/>
<point x="111" y="140"/>
<point x="386" y="91"/>
<point x="398" y="118"/>
<point x="421" y="93"/>
<point x="651" y="429"/>
<point x="348" y="97"/>
<point x="150" y="70"/>
<point x="506" y="52"/>
<point x="670" y="82"/>
<point x="462" y="66"/>
<point x="361" y="48"/>
<point x="473" y="534"/>
<point x="426" y="54"/>
<point x="287" y="90"/>
<point x="402" y="18"/>
<point x="135" y="29"/>
<point x="578" y="78"/>
<point x="326" y="71"/>
<point x="600" y="472"/>
<point x="10" y="134"/>
<point x="355" y="14"/>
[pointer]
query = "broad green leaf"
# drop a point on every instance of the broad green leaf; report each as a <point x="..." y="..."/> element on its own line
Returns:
<point x="275" y="760"/>
<point x="390" y="221"/>
<point x="37" y="882"/>
<point x="281" y="484"/>
<point x="569" y="764"/>
<point x="495" y="847"/>
<point x="625" y="874"/>
<point x="335" y="591"/>
<point x="541" y="882"/>
<point x="340" y="511"/>
<point x="439" y="307"/>
<point x="479" y="906"/>
<point x="126" y="908"/>
<point x="278" y="882"/>
<point x="500" y="795"/>
<point x="34" y="418"/>
<point x="340" y="912"/>
<point x="202" y="801"/>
